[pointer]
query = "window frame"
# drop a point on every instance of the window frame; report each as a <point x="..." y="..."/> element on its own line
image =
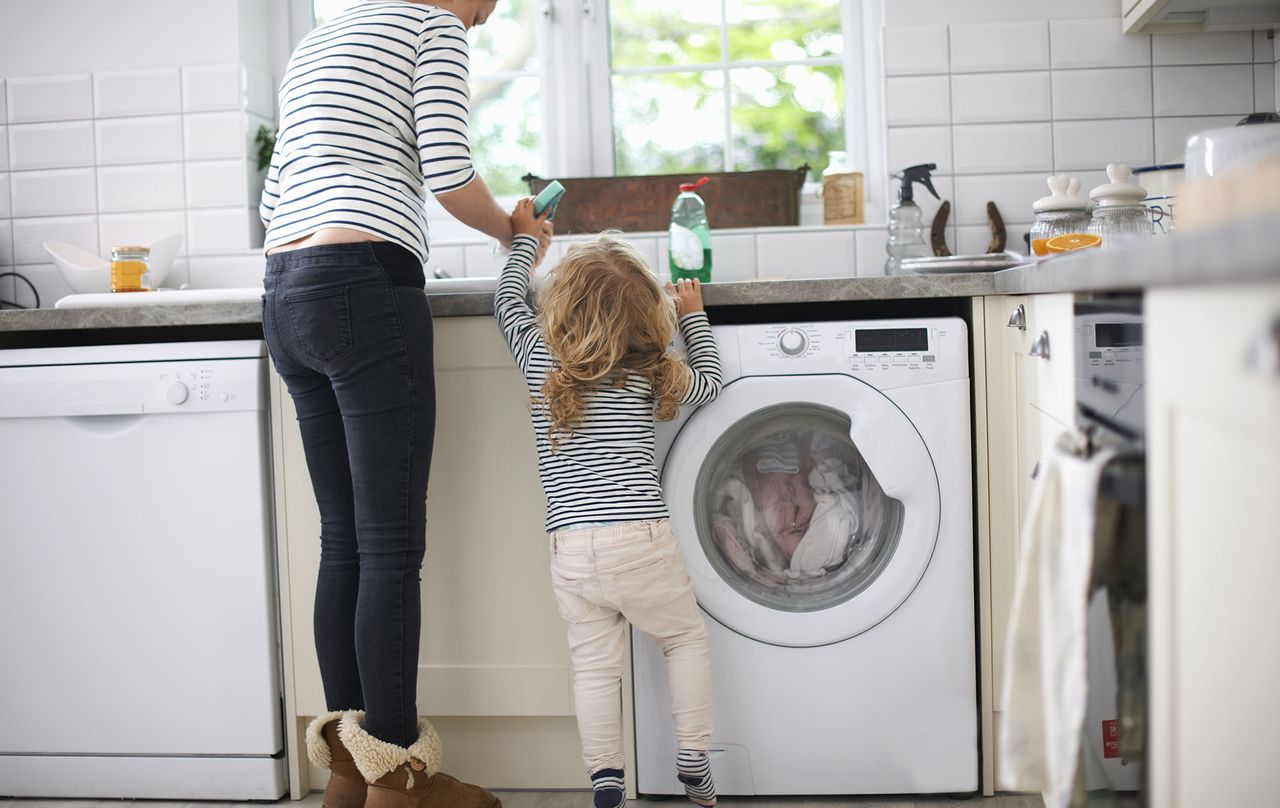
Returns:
<point x="573" y="50"/>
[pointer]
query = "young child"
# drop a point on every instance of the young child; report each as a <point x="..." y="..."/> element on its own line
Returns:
<point x="596" y="356"/>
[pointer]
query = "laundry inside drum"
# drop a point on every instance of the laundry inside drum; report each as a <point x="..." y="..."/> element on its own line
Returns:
<point x="790" y="514"/>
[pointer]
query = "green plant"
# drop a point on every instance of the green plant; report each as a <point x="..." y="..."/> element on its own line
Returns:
<point x="265" y="140"/>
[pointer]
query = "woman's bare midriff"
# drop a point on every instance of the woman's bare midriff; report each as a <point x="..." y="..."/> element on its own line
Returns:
<point x="328" y="235"/>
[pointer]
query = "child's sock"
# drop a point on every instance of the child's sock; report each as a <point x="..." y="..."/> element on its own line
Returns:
<point x="693" y="768"/>
<point x="610" y="788"/>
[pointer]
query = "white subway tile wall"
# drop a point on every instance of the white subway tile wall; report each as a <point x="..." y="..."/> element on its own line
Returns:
<point x="917" y="100"/>
<point x="102" y="159"/>
<point x="831" y="254"/>
<point x="1031" y="96"/>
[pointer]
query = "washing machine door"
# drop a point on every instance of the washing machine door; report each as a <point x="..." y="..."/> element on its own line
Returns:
<point x="807" y="507"/>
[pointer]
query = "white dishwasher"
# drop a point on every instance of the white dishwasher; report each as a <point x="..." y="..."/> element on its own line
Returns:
<point x="138" y="627"/>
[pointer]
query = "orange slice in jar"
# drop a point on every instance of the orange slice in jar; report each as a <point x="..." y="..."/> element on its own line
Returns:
<point x="1073" y="241"/>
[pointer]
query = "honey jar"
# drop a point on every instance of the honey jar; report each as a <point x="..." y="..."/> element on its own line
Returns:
<point x="130" y="269"/>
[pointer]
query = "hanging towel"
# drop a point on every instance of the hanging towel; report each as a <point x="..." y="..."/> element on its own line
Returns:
<point x="1045" y="678"/>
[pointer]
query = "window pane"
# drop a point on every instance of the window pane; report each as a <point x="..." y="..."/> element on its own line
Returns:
<point x="668" y="123"/>
<point x="506" y="122"/>
<point x="506" y="41"/>
<point x="788" y="116"/>
<point x="649" y="33"/>
<point x="776" y="30"/>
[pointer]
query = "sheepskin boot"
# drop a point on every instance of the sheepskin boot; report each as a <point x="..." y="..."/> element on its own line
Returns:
<point x="401" y="777"/>
<point x="347" y="787"/>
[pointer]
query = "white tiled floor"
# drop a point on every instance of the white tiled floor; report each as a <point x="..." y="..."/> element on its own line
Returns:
<point x="581" y="799"/>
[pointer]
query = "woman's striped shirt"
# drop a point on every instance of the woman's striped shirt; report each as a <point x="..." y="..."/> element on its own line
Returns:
<point x="373" y="112"/>
<point x="605" y="471"/>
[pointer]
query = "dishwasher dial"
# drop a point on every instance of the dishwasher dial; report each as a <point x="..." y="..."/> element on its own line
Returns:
<point x="177" y="393"/>
<point x="793" y="342"/>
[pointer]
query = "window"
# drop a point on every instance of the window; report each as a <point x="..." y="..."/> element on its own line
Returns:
<point x="725" y="84"/>
<point x="598" y="87"/>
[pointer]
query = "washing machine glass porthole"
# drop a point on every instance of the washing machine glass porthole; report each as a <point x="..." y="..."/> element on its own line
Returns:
<point x="788" y="512"/>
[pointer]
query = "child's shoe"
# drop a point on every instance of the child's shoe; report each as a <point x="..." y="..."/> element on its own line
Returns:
<point x="693" y="768"/>
<point x="610" y="786"/>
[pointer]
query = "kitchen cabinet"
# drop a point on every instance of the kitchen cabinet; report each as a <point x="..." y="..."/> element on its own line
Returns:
<point x="1213" y="424"/>
<point x="494" y="671"/>
<point x="1193" y="16"/>
<point x="1030" y="396"/>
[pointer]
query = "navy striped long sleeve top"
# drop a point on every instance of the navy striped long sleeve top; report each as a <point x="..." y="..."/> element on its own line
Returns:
<point x="605" y="471"/>
<point x="373" y="113"/>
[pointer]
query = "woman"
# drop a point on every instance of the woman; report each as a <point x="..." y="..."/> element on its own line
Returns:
<point x="373" y="113"/>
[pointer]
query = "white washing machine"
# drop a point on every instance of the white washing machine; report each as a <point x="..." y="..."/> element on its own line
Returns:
<point x="823" y="503"/>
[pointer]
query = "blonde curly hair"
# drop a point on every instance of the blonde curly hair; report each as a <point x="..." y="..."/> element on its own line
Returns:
<point x="605" y="316"/>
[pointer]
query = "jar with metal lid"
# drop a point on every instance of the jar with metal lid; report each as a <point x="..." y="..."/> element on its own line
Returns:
<point x="1120" y="215"/>
<point x="130" y="269"/>
<point x="1063" y="211"/>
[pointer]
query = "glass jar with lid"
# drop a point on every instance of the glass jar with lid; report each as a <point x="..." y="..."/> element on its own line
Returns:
<point x="1063" y="211"/>
<point x="130" y="269"/>
<point x="1120" y="215"/>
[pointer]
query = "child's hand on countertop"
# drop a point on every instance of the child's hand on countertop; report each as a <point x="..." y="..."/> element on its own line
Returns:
<point x="688" y="294"/>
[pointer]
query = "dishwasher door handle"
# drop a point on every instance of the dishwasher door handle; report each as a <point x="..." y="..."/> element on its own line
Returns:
<point x="83" y="409"/>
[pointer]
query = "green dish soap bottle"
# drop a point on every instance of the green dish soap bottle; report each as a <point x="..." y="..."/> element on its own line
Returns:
<point x="690" y="237"/>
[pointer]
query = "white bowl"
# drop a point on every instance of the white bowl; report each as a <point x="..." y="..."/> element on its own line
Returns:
<point x="88" y="273"/>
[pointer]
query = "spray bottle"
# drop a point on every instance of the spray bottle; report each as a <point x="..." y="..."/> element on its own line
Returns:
<point x="906" y="220"/>
<point x="690" y="237"/>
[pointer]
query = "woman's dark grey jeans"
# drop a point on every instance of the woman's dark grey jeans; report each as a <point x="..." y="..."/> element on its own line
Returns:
<point x="349" y="330"/>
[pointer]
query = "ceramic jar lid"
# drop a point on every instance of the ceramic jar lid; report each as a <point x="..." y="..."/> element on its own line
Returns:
<point x="1121" y="191"/>
<point x="1064" y="195"/>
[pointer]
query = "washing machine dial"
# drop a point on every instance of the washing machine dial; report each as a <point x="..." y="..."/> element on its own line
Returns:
<point x="177" y="393"/>
<point x="793" y="342"/>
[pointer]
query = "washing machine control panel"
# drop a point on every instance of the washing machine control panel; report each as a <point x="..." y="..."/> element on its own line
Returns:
<point x="888" y="352"/>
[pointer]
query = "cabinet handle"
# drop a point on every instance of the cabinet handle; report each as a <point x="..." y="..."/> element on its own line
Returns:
<point x="1018" y="319"/>
<point x="1263" y="357"/>
<point x="1040" y="348"/>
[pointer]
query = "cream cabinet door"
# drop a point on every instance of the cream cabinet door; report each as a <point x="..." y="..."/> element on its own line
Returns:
<point x="1213" y="429"/>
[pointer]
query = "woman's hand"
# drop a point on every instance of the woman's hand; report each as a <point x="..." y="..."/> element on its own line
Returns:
<point x="688" y="293"/>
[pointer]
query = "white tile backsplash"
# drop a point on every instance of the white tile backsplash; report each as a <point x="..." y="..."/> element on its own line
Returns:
<point x="5" y="210"/>
<point x="4" y="102"/>
<point x="50" y="98"/>
<point x="221" y="231"/>
<point x="450" y="259"/>
<point x="912" y="145"/>
<point x="917" y="100"/>
<point x="733" y="257"/>
<point x="213" y="88"/>
<point x="51" y="145"/>
<point x="1096" y="43"/>
<point x="126" y="189"/>
<point x="259" y="93"/>
<point x="1203" y="48"/>
<point x="1105" y="93"/>
<point x="30" y="234"/>
<point x="1204" y="90"/>
<point x="139" y="140"/>
<point x="1172" y="134"/>
<point x="1012" y="193"/>
<point x="1083" y="145"/>
<point x="973" y="240"/>
<point x="227" y="271"/>
<point x="999" y="46"/>
<point x="871" y="251"/>
<point x="915" y="50"/>
<point x="137" y="92"/>
<point x="806" y="255"/>
<point x="62" y="192"/>
<point x="214" y="136"/>
<point x="1000" y="97"/>
<point x="6" y="255"/>
<point x="1264" y="47"/>
<point x="116" y="229"/>
<point x="217" y="184"/>
<point x="48" y="282"/>
<point x="998" y="148"/>
<point x="1264" y="88"/>
<point x="4" y="148"/>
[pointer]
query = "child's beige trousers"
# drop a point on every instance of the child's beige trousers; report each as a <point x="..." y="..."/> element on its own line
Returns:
<point x="604" y="577"/>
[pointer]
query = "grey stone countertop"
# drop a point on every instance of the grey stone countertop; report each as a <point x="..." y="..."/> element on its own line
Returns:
<point x="469" y="304"/>
<point x="1241" y="252"/>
